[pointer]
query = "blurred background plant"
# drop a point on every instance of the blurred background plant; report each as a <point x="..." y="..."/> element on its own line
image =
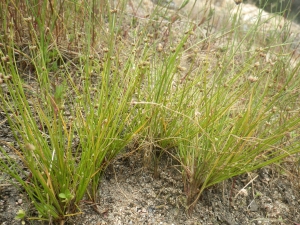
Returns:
<point x="287" y="8"/>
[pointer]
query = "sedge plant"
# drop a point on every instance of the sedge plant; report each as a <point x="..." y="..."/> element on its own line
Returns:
<point x="69" y="119"/>
<point x="243" y="117"/>
<point x="73" y="114"/>
<point x="157" y="101"/>
<point x="228" y="115"/>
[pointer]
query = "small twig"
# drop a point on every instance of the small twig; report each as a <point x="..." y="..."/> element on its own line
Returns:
<point x="119" y="185"/>
<point x="5" y="185"/>
<point x="246" y="186"/>
<point x="3" y="121"/>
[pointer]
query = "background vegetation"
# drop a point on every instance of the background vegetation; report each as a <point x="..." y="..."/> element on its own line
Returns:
<point x="288" y="8"/>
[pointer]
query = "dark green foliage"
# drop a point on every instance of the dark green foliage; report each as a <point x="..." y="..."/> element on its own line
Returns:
<point x="287" y="8"/>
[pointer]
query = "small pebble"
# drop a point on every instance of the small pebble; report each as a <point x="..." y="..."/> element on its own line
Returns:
<point x="144" y="210"/>
<point x="253" y="207"/>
